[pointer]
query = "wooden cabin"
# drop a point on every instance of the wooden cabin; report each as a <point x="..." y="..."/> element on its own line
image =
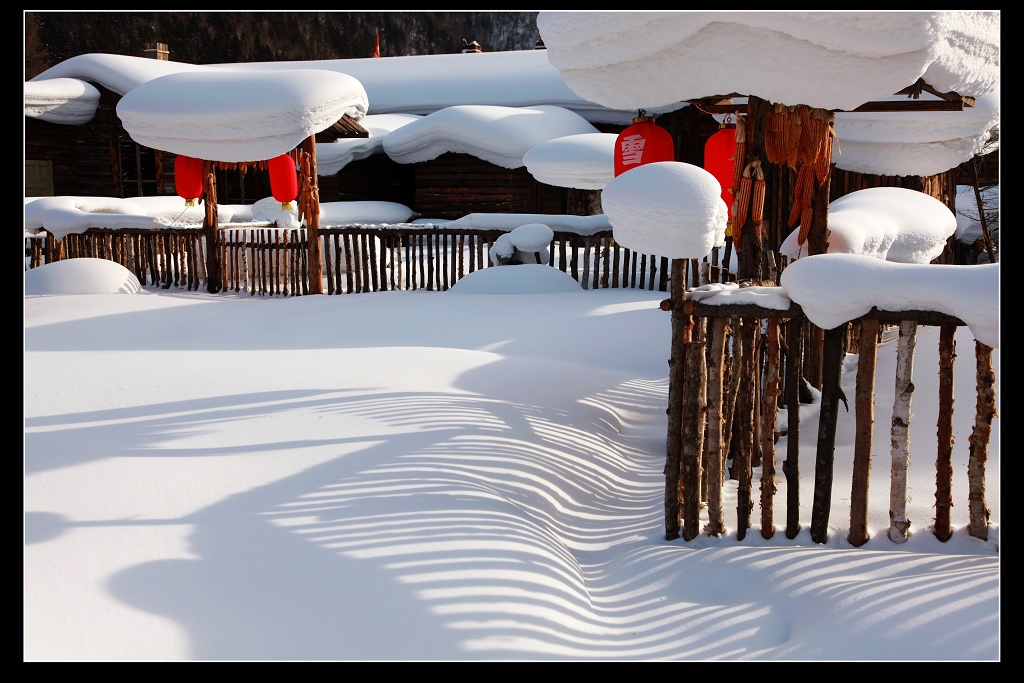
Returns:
<point x="99" y="158"/>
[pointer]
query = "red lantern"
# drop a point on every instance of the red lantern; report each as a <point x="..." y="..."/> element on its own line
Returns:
<point x="719" y="159"/>
<point x="284" y="181"/>
<point x="644" y="142"/>
<point x="188" y="178"/>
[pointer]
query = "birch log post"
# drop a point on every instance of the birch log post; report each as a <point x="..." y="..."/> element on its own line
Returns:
<point x="986" y="410"/>
<point x="864" y="402"/>
<point x="899" y="525"/>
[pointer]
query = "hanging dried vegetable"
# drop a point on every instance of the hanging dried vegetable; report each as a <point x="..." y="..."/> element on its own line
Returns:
<point x="801" y="138"/>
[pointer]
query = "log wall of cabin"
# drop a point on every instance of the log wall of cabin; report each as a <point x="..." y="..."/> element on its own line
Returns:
<point x="454" y="185"/>
<point x="376" y="178"/>
<point x="80" y="155"/>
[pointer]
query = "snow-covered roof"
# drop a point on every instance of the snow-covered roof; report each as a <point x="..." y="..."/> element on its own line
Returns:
<point x="605" y="66"/>
<point x="238" y="116"/>
<point x="830" y="59"/>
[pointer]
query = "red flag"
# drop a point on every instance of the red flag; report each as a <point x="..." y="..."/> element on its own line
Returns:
<point x="376" y="45"/>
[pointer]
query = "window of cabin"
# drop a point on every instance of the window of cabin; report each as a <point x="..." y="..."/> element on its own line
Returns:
<point x="235" y="187"/>
<point x="38" y="178"/>
<point x="137" y="168"/>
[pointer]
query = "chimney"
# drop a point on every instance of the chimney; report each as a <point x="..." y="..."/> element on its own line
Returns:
<point x="468" y="47"/>
<point x="156" y="51"/>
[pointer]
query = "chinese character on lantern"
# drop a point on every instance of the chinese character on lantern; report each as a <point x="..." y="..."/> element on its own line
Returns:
<point x="644" y="142"/>
<point x="631" y="147"/>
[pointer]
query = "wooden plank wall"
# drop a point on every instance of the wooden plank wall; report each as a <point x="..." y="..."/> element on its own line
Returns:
<point x="80" y="154"/>
<point x="454" y="185"/>
<point x="376" y="178"/>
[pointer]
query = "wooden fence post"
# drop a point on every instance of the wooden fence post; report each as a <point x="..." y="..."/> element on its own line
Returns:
<point x="210" y="229"/>
<point x="833" y="351"/>
<point x="864" y="402"/>
<point x="986" y="410"/>
<point x="715" y="449"/>
<point x="744" y="417"/>
<point x="791" y="466"/>
<point x="680" y="327"/>
<point x="694" y="416"/>
<point x="944" y="459"/>
<point x="311" y="204"/>
<point x="899" y="525"/>
<point x="769" y="412"/>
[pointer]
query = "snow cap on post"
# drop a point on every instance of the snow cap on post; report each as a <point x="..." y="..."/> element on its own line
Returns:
<point x="667" y="208"/>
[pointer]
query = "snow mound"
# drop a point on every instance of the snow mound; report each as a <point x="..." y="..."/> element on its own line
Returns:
<point x="81" y="276"/>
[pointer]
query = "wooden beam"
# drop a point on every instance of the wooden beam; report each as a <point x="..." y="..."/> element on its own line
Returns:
<point x="910" y="105"/>
<point x="948" y="101"/>
<point x="704" y="310"/>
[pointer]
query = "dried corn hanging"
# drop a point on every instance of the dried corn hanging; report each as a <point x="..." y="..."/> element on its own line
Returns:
<point x="744" y="197"/>
<point x="741" y="205"/>
<point x="807" y="144"/>
<point x="805" y="225"/>
<point x="803" y="192"/>
<point x="305" y="192"/>
<point x="740" y="156"/>
<point x="823" y="164"/>
<point x="757" y="200"/>
<point x="793" y="132"/>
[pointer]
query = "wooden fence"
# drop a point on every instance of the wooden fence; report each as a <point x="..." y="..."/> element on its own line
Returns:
<point x="740" y="362"/>
<point x="728" y="375"/>
<point x="267" y="261"/>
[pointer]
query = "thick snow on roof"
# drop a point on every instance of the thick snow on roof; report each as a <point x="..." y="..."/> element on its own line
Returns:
<point x="585" y="161"/>
<point x="61" y="100"/>
<point x="117" y="73"/>
<point x="331" y="157"/>
<point x="422" y="84"/>
<point x="238" y="116"/>
<point x="919" y="143"/>
<point x="417" y="84"/>
<point x="499" y="135"/>
<point x="828" y="60"/>
<point x="619" y="62"/>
